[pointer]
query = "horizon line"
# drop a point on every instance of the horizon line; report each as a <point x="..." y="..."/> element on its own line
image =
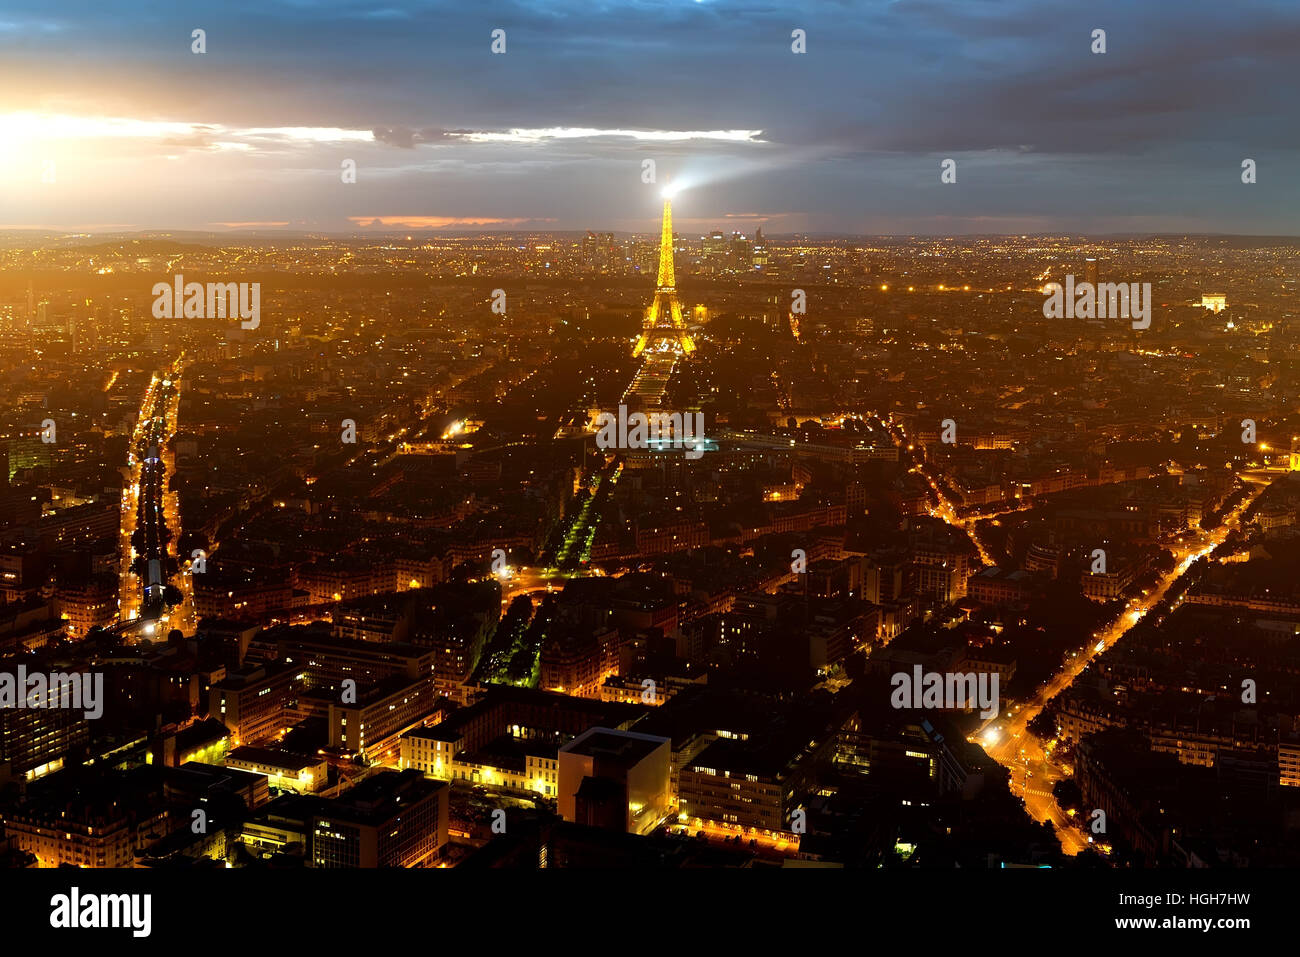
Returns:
<point x="438" y="233"/>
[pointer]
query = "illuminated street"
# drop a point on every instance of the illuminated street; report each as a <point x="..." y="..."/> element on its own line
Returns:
<point x="152" y="499"/>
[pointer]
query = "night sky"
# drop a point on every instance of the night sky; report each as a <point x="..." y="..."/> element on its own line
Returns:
<point x="846" y="138"/>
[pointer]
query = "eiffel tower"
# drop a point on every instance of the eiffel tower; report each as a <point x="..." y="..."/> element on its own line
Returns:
<point x="663" y="320"/>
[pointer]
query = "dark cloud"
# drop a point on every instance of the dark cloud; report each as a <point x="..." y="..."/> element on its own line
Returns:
<point x="1042" y="128"/>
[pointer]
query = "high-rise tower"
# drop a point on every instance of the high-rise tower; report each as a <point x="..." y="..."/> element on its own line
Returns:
<point x="663" y="320"/>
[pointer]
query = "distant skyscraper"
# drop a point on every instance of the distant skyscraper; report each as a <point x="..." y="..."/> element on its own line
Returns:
<point x="738" y="253"/>
<point x="760" y="249"/>
<point x="713" y="251"/>
<point x="600" y="252"/>
<point x="31" y="303"/>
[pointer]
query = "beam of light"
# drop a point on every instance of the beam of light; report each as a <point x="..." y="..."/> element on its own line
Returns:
<point x="696" y="171"/>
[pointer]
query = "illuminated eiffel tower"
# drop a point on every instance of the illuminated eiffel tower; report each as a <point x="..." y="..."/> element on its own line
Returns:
<point x="663" y="320"/>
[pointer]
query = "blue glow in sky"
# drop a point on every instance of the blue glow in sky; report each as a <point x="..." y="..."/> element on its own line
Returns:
<point x="847" y="137"/>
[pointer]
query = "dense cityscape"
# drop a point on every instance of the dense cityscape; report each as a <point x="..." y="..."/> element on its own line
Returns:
<point x="468" y="449"/>
<point x="370" y="550"/>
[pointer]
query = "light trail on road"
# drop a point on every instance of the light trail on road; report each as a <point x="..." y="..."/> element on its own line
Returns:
<point x="1009" y="740"/>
